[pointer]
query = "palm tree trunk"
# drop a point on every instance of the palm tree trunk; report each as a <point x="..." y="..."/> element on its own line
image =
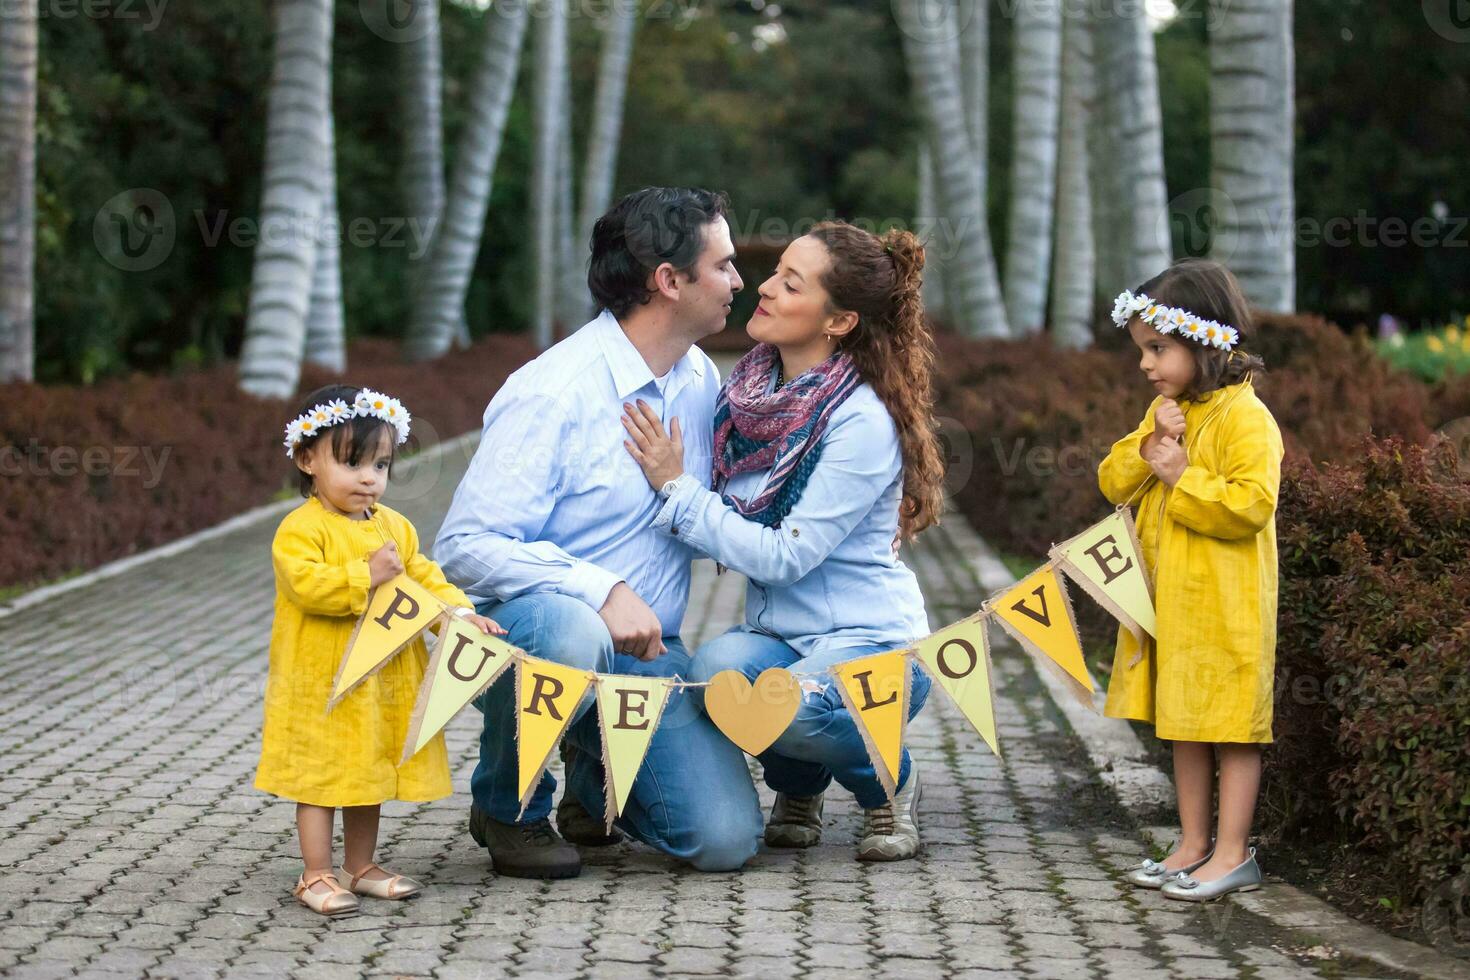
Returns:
<point x="974" y="26"/>
<point x="326" y="329"/>
<point x="1074" y="272"/>
<point x="931" y="51"/>
<point x="1252" y="129"/>
<point x="19" y="49"/>
<point x="291" y="206"/>
<point x="1132" y="202"/>
<point x="572" y="298"/>
<point x="924" y="224"/>
<point x="601" y="164"/>
<point x="551" y="65"/>
<point x="440" y="292"/>
<point x="1038" y="52"/>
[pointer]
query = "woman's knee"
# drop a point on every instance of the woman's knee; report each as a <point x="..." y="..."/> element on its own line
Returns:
<point x="731" y="651"/>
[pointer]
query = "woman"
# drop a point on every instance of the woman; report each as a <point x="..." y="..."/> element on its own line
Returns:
<point x="825" y="458"/>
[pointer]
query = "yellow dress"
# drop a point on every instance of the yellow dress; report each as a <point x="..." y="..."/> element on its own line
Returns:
<point x="1210" y="543"/>
<point x="350" y="756"/>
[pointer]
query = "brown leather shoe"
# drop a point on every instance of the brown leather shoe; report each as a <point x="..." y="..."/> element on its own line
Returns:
<point x="524" y="850"/>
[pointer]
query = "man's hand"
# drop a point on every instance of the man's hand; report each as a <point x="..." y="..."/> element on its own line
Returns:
<point x="1168" y="460"/>
<point x="384" y="564"/>
<point x="635" y="629"/>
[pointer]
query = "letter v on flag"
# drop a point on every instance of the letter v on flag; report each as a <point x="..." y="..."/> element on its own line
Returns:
<point x="1106" y="561"/>
<point x="629" y="709"/>
<point x="397" y="611"/>
<point x="547" y="695"/>
<point x="465" y="662"/>
<point x="1037" y="613"/>
<point x="876" y="690"/>
<point x="958" y="658"/>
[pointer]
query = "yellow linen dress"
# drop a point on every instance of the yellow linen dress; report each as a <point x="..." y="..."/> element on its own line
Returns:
<point x="1210" y="544"/>
<point x="350" y="756"/>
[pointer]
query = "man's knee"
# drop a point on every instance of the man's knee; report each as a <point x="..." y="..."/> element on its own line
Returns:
<point x="725" y="843"/>
<point x="556" y="627"/>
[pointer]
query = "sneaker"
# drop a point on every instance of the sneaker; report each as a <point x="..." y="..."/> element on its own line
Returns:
<point x="796" y="821"/>
<point x="891" y="831"/>
<point x="579" y="827"/>
<point x="524" y="850"/>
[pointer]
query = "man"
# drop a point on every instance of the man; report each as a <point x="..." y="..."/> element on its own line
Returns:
<point x="550" y="533"/>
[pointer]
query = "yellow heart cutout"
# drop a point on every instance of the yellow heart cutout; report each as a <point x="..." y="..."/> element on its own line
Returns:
<point x="752" y="716"/>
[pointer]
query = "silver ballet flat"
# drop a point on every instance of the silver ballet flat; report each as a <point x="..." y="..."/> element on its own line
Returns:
<point x="1153" y="874"/>
<point x="1244" y="878"/>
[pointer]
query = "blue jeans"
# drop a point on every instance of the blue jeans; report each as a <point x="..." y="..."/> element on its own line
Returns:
<point x="693" y="798"/>
<point x="822" y="742"/>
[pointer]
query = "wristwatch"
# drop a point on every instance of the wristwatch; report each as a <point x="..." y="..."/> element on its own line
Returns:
<point x="667" y="490"/>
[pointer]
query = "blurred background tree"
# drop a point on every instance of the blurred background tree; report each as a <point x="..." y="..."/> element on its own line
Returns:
<point x="798" y="112"/>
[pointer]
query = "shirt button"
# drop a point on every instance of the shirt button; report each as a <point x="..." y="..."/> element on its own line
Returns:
<point x="796" y="532"/>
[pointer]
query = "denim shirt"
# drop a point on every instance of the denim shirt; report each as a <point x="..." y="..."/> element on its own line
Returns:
<point x="827" y="577"/>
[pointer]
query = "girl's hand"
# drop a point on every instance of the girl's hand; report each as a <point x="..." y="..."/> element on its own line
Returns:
<point x="661" y="456"/>
<point x="384" y="564"/>
<point x="486" y="624"/>
<point x="1169" y="419"/>
<point x="1168" y="460"/>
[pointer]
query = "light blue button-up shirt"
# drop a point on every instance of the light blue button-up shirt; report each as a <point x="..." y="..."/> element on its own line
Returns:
<point x="552" y="502"/>
<point x="827" y="578"/>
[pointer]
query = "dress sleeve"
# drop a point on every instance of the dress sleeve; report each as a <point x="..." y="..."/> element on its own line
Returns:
<point x="1124" y="470"/>
<point x="1240" y="500"/>
<point x="426" y="572"/>
<point x="860" y="457"/>
<point x="317" y="586"/>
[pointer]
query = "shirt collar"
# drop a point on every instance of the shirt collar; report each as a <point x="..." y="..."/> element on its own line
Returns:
<point x="630" y="371"/>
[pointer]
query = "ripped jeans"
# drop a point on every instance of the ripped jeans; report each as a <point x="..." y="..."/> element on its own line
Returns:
<point x="822" y="743"/>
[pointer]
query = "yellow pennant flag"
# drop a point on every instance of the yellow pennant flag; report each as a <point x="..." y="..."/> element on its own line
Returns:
<point x="958" y="658"/>
<point x="1038" y="614"/>
<point x="876" y="690"/>
<point x="398" y="610"/>
<point x="465" y="662"/>
<point x="629" y="709"/>
<point x="547" y="695"/>
<point x="1107" y="562"/>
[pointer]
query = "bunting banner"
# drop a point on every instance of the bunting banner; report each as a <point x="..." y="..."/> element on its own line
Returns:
<point x="1037" y="613"/>
<point x="547" y="696"/>
<point x="876" y="690"/>
<point x="397" y="611"/>
<point x="464" y="663"/>
<point x="958" y="658"/>
<point x="1107" y="562"/>
<point x="628" y="709"/>
<point x="752" y="715"/>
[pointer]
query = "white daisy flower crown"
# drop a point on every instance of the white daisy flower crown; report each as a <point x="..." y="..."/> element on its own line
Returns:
<point x="367" y="404"/>
<point x="1172" y="319"/>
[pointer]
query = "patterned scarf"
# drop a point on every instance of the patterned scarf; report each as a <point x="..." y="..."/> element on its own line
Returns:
<point x="780" y="431"/>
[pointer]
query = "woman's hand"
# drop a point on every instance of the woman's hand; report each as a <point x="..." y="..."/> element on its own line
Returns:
<point x="661" y="456"/>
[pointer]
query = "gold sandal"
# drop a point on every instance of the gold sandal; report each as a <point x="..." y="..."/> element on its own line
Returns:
<point x="394" y="887"/>
<point x="338" y="901"/>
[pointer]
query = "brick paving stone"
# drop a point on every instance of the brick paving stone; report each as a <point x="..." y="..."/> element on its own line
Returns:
<point x="132" y="842"/>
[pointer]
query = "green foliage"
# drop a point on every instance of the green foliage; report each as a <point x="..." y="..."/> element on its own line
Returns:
<point x="1433" y="354"/>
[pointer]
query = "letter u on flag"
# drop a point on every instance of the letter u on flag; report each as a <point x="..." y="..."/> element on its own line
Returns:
<point x="464" y="663"/>
<point x="958" y="658"/>
<point x="1038" y="614"/>
<point x="1107" y="562"/>
<point x="547" y="695"/>
<point x="629" y="709"/>
<point x="876" y="690"/>
<point x="397" y="611"/>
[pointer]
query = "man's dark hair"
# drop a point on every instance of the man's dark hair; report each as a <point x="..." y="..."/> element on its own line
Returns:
<point x="641" y="232"/>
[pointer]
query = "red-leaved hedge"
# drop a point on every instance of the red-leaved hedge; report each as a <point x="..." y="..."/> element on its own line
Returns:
<point x="90" y="474"/>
